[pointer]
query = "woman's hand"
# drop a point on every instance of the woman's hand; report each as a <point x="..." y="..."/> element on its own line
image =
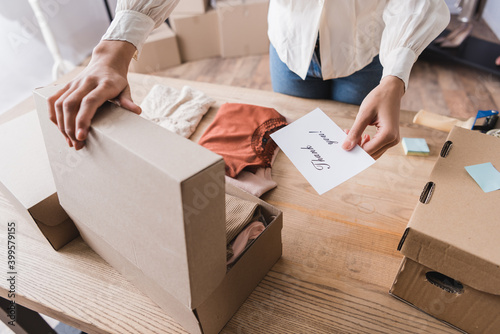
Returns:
<point x="380" y="108"/>
<point x="105" y="78"/>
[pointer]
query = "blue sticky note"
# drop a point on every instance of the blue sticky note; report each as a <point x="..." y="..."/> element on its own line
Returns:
<point x="415" y="146"/>
<point x="486" y="176"/>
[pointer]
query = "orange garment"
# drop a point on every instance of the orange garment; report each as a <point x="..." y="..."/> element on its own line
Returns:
<point x="240" y="133"/>
<point x="256" y="183"/>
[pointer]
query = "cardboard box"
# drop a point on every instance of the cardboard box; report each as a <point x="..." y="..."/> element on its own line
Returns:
<point x="27" y="182"/>
<point x="160" y="51"/>
<point x="191" y="7"/>
<point x="243" y="27"/>
<point x="197" y="35"/>
<point x="451" y="268"/>
<point x="152" y="205"/>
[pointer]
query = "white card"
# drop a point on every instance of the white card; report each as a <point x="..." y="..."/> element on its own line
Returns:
<point x="314" y="145"/>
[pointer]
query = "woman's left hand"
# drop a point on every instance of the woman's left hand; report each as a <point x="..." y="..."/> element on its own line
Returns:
<point x="380" y="108"/>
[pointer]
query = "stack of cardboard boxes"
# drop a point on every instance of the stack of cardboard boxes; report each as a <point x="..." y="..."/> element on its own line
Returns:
<point x="229" y="28"/>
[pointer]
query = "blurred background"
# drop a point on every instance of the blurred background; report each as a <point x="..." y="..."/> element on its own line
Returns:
<point x="77" y="26"/>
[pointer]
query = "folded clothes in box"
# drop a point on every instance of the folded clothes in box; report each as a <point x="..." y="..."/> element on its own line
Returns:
<point x="177" y="111"/>
<point x="241" y="134"/>
<point x="152" y="204"/>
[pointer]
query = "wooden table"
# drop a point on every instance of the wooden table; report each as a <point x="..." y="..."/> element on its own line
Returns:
<point x="339" y="249"/>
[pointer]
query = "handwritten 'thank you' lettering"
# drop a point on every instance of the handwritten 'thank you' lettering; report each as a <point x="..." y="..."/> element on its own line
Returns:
<point x="312" y="139"/>
<point x="322" y="135"/>
<point x="318" y="163"/>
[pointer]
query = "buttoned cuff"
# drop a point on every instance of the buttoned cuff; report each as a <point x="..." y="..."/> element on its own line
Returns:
<point x="399" y="63"/>
<point x="130" y="26"/>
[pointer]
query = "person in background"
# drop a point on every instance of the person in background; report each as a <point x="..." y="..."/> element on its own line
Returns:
<point x="353" y="51"/>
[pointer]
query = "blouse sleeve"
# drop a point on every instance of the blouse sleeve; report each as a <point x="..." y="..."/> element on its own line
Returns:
<point x="409" y="27"/>
<point x="135" y="19"/>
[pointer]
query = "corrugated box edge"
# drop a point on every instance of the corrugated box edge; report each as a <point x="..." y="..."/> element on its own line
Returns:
<point x="412" y="287"/>
<point x="459" y="264"/>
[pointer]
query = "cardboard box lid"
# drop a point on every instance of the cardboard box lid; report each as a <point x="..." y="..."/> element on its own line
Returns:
<point x="455" y="227"/>
<point x="26" y="175"/>
<point x="24" y="166"/>
<point x="141" y="187"/>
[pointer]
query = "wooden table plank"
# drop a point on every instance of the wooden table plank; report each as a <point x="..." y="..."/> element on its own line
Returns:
<point x="339" y="249"/>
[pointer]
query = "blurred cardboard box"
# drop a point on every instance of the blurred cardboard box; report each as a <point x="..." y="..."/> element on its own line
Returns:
<point x="152" y="204"/>
<point x="243" y="27"/>
<point x="160" y="51"/>
<point x="197" y="35"/>
<point x="191" y="7"/>
<point x="27" y="182"/>
<point x="451" y="268"/>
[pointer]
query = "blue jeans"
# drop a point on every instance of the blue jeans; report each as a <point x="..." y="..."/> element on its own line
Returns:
<point x="351" y="89"/>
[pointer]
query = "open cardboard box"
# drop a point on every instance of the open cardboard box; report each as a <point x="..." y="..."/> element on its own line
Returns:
<point x="27" y="182"/>
<point x="451" y="268"/>
<point x="152" y="204"/>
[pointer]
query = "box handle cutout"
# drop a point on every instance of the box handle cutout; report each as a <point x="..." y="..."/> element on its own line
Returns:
<point x="446" y="149"/>
<point x="426" y="194"/>
<point x="444" y="282"/>
<point x="403" y="238"/>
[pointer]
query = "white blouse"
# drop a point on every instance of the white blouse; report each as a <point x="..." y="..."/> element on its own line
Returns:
<point x="351" y="32"/>
<point x="135" y="20"/>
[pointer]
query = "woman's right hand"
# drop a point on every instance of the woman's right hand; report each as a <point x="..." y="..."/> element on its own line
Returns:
<point x="105" y="78"/>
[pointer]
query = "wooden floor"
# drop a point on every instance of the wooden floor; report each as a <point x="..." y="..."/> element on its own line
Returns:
<point x="445" y="88"/>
